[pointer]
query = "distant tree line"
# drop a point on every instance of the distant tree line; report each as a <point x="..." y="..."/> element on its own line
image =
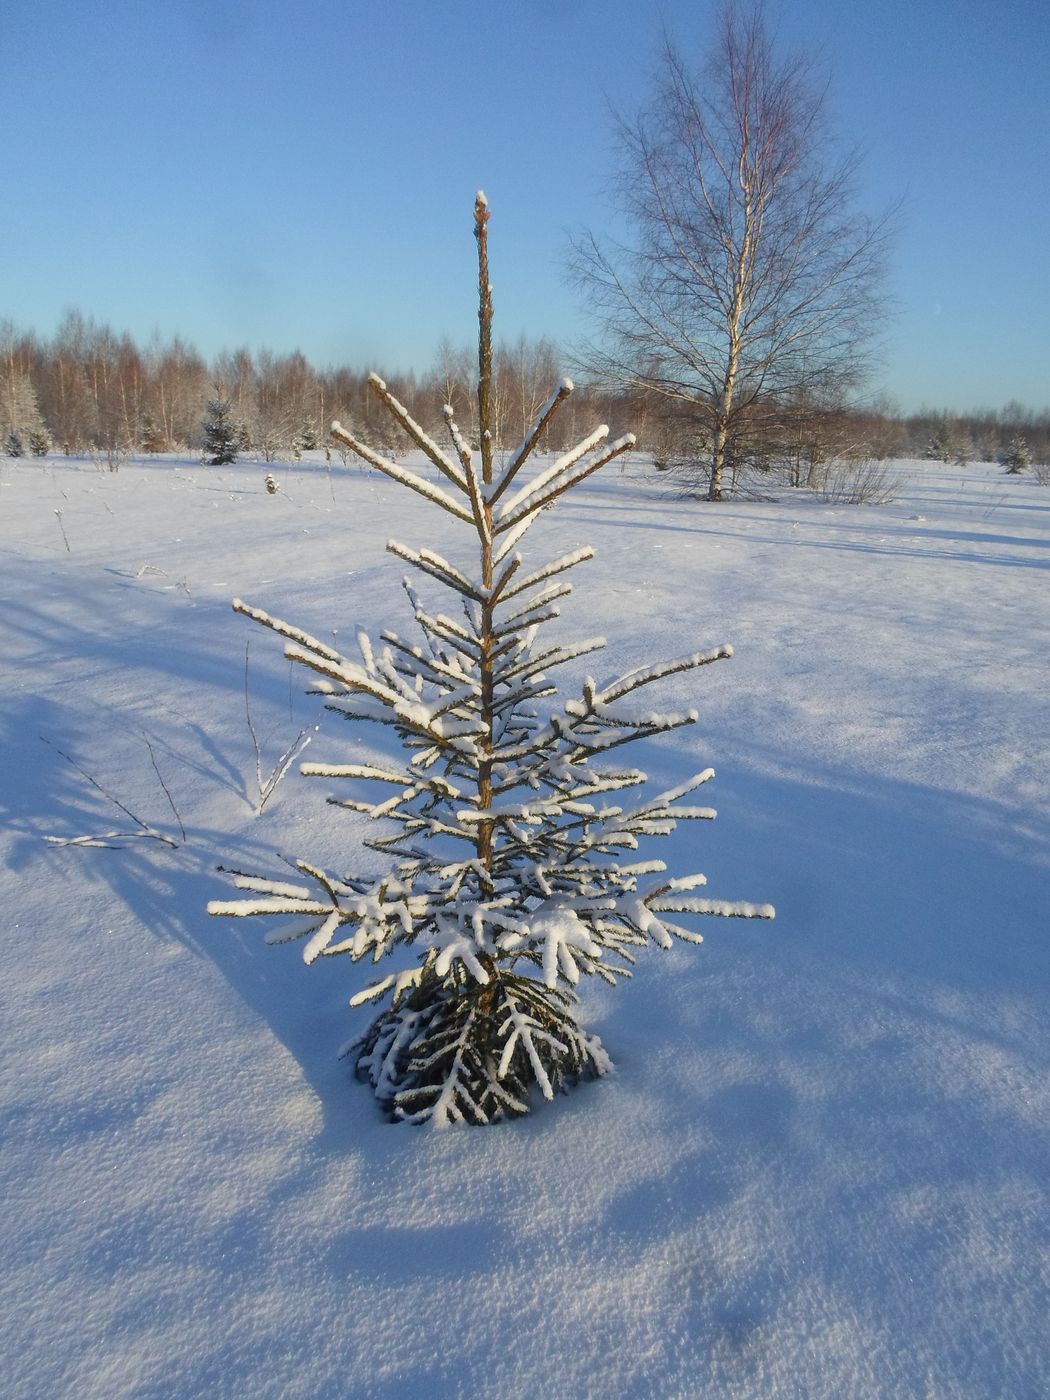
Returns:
<point x="985" y="435"/>
<point x="89" y="388"/>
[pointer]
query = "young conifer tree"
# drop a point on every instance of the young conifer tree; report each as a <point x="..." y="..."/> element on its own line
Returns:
<point x="506" y="861"/>
<point x="1015" y="457"/>
<point x="220" y="434"/>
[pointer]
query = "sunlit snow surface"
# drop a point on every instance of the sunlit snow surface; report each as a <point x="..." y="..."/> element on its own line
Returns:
<point x="821" y="1167"/>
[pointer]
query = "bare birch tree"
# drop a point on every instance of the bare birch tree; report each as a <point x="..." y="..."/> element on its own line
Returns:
<point x="747" y="279"/>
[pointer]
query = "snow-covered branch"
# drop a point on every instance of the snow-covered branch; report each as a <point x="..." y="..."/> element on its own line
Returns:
<point x="536" y="500"/>
<point x="402" y="474"/>
<point x="532" y="436"/>
<point x="430" y="563"/>
<point x="418" y="435"/>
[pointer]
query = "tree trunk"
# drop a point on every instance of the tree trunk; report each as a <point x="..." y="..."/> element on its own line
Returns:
<point x="718" y="460"/>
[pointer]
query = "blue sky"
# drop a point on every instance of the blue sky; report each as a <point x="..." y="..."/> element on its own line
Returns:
<point x="302" y="176"/>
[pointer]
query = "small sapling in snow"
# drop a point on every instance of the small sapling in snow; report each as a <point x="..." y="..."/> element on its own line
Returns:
<point x="268" y="785"/>
<point x="508" y="865"/>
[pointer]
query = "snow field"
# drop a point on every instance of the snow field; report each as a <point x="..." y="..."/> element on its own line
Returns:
<point x="821" y="1166"/>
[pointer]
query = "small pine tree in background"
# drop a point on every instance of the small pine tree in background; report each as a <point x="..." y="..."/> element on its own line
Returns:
<point x="964" y="453"/>
<point x="150" y="437"/>
<point x="939" y="448"/>
<point x="220" y="434"/>
<point x="21" y="425"/>
<point x="507" y="864"/>
<point x="1016" y="457"/>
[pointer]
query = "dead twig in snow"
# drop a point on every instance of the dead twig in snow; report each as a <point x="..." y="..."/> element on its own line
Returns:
<point x="109" y="839"/>
<point x="269" y="784"/>
<point x="167" y="794"/>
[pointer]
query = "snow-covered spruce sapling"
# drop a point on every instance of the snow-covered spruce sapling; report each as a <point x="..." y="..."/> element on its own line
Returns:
<point x="506" y="863"/>
<point x="1016" y="457"/>
<point x="220" y="433"/>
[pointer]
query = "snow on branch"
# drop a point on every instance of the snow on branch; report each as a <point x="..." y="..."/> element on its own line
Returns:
<point x="534" y="611"/>
<point x="402" y="475"/>
<point x="245" y="908"/>
<point x="379" y="775"/>
<point x="548" y="571"/>
<point x="451" y="632"/>
<point x="645" y="675"/>
<point x="506" y="574"/>
<point x="553" y="656"/>
<point x="662" y="804"/>
<point x="557" y="467"/>
<point x="436" y="669"/>
<point x="459" y="442"/>
<point x="474" y="487"/>
<point x="430" y="563"/>
<point x="418" y="435"/>
<point x="726" y="909"/>
<point x="535" y="502"/>
<point x="532" y="436"/>
<point x="294" y="634"/>
<point x="513" y="536"/>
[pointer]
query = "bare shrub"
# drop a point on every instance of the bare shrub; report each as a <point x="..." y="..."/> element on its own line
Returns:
<point x="111" y="458"/>
<point x="858" y="481"/>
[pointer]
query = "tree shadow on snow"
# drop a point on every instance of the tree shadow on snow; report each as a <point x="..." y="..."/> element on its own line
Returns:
<point x="894" y="537"/>
<point x="854" y="1070"/>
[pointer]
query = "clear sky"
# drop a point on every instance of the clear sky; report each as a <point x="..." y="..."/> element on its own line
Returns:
<point x="302" y="175"/>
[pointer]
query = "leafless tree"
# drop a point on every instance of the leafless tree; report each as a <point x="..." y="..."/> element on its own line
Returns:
<point x="21" y="426"/>
<point x="180" y="385"/>
<point x="525" y="370"/>
<point x="748" y="278"/>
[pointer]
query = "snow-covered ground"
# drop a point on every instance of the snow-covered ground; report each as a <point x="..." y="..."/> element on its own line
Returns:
<point x="822" y="1166"/>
